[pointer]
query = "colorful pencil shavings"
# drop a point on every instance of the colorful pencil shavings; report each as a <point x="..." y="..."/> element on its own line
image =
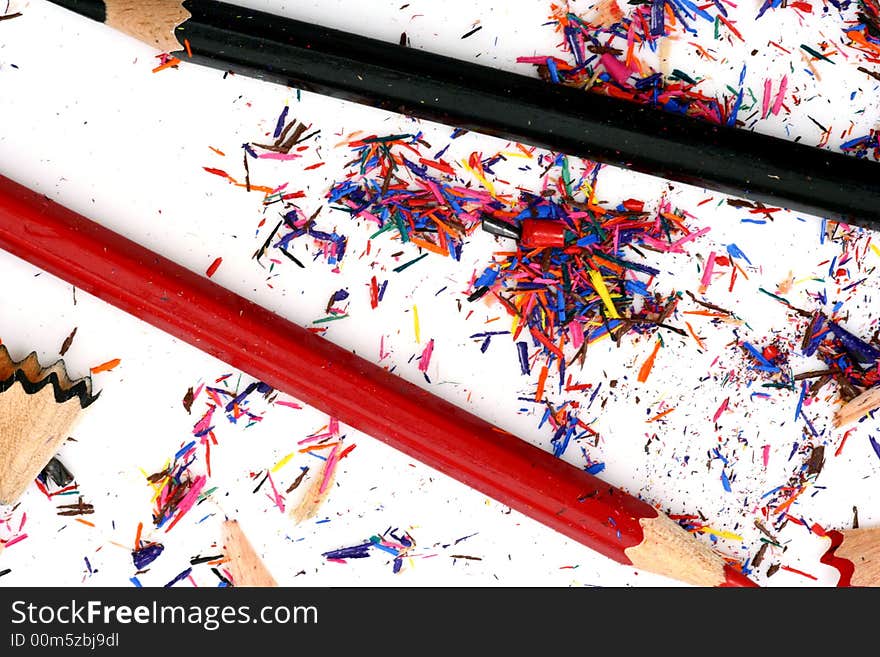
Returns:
<point x="328" y="445"/>
<point x="864" y="146"/>
<point x="568" y="428"/>
<point x="392" y="541"/>
<point x="392" y="185"/>
<point x="593" y="286"/>
<point x="176" y="488"/>
<point x="602" y="56"/>
<point x="330" y="246"/>
<point x="864" y="35"/>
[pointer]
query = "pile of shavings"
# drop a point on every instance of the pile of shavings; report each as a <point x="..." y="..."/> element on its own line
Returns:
<point x="864" y="35"/>
<point x="602" y="57"/>
<point x="568" y="428"/>
<point x="852" y="363"/>
<point x="593" y="287"/>
<point x="392" y="184"/>
<point x="176" y="488"/>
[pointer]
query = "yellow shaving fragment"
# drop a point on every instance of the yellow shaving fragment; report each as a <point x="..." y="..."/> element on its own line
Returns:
<point x="721" y="533"/>
<point x="416" y="324"/>
<point x="284" y="461"/>
<point x="599" y="285"/>
<point x="479" y="176"/>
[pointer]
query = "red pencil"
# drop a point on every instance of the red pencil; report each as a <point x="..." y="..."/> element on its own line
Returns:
<point x="357" y="392"/>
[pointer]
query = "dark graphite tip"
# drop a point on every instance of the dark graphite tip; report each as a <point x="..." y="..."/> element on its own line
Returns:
<point x="500" y="228"/>
<point x="94" y="9"/>
<point x="56" y="471"/>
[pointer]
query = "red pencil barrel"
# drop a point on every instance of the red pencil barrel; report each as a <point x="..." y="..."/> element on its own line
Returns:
<point x="314" y="370"/>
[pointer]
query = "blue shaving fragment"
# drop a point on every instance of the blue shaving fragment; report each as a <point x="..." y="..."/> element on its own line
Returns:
<point x="800" y="402"/>
<point x="875" y="445"/>
<point x="523" y="351"/>
<point x="735" y="252"/>
<point x="183" y="450"/>
<point x="146" y="555"/>
<point x="282" y="120"/>
<point x="181" y="576"/>
<point x="361" y="551"/>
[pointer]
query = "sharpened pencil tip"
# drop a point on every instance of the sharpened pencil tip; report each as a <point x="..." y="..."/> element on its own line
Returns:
<point x="734" y="578"/>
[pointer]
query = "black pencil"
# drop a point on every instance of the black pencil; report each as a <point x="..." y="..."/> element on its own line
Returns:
<point x="770" y="170"/>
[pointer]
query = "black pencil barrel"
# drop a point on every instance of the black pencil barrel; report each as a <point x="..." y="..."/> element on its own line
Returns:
<point x="94" y="9"/>
<point x="773" y="171"/>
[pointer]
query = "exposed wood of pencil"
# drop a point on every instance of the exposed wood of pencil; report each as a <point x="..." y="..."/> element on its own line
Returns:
<point x="32" y="428"/>
<point x="152" y="21"/>
<point x="331" y="379"/>
<point x="38" y="407"/>
<point x="855" y="554"/>
<point x="771" y="170"/>
<point x="669" y="551"/>
<point x="244" y="563"/>
<point x="857" y="408"/>
<point x="862" y="548"/>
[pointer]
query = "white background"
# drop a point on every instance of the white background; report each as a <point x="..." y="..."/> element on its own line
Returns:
<point x="84" y="120"/>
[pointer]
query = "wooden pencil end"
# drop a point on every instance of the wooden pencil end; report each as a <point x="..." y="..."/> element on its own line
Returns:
<point x="247" y="569"/>
<point x="153" y="22"/>
<point x="38" y="407"/>
<point x="669" y="550"/>
<point x="855" y="554"/>
<point x="857" y="408"/>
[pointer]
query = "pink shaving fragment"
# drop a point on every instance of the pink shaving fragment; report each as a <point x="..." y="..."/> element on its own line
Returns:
<point x="204" y="424"/>
<point x="720" y="410"/>
<point x="189" y="499"/>
<point x="707" y="272"/>
<point x="675" y="247"/>
<point x="425" y="360"/>
<point x="275" y="497"/>
<point x="329" y="467"/>
<point x="616" y="70"/>
<point x="577" y="334"/>
<point x="780" y="96"/>
<point x="765" y="102"/>
<point x="13" y="541"/>
<point x="279" y="156"/>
